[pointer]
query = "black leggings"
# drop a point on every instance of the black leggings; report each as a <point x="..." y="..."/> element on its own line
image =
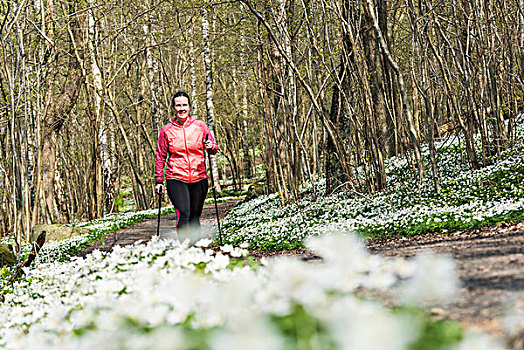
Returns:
<point x="188" y="200"/>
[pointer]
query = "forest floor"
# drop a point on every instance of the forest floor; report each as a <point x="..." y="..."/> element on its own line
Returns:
<point x="490" y="264"/>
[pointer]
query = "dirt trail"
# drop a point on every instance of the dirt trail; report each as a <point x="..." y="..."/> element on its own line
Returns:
<point x="146" y="229"/>
<point x="490" y="264"/>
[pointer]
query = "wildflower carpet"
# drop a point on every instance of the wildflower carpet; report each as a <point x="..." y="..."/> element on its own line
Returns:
<point x="165" y="295"/>
<point x="490" y="265"/>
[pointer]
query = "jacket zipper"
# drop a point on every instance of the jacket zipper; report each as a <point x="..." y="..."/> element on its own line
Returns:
<point x="187" y="153"/>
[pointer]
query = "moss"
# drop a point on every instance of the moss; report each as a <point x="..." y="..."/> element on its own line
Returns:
<point x="6" y="257"/>
<point x="254" y="191"/>
<point x="57" y="232"/>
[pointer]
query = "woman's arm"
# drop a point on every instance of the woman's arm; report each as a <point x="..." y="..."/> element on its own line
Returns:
<point x="162" y="148"/>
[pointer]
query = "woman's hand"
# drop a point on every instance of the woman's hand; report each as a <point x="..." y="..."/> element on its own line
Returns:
<point x="159" y="188"/>
<point x="208" y="144"/>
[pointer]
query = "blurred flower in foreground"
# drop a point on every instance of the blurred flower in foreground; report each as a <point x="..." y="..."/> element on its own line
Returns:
<point x="167" y="295"/>
<point x="514" y="320"/>
<point x="254" y="335"/>
<point x="357" y="324"/>
<point x="478" y="341"/>
<point x="434" y="280"/>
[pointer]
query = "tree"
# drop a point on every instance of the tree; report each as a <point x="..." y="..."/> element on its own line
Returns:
<point x="210" y="108"/>
<point x="60" y="101"/>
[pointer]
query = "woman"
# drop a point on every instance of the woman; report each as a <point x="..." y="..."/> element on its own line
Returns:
<point x="182" y="143"/>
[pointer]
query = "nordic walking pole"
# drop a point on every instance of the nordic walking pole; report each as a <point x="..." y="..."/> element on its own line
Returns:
<point x="159" y="209"/>
<point x="214" y="196"/>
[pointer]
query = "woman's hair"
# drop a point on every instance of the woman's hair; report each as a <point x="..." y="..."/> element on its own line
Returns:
<point x="180" y="94"/>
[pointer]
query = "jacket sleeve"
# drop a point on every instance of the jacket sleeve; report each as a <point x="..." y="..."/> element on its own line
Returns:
<point x="162" y="149"/>
<point x="209" y="136"/>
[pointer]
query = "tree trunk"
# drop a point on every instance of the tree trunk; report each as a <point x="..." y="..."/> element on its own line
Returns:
<point x="153" y="76"/>
<point x="209" y="94"/>
<point x="264" y="90"/>
<point x="521" y="39"/>
<point x="376" y="72"/>
<point x="60" y="105"/>
<point x="405" y="101"/>
<point x="194" y="102"/>
<point x="105" y="182"/>
<point x="420" y="54"/>
<point x="335" y="179"/>
<point x="245" y="113"/>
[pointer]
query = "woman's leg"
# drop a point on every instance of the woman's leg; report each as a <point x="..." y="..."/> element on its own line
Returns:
<point x="197" y="194"/>
<point x="178" y="193"/>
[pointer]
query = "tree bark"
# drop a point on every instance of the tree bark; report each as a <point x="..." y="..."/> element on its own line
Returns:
<point x="407" y="107"/>
<point x="209" y="94"/>
<point x="153" y="76"/>
<point x="521" y="39"/>
<point x="60" y="104"/>
<point x="245" y="113"/>
<point x="104" y="176"/>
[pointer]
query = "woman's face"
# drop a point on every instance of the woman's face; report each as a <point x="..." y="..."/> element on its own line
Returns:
<point x="182" y="107"/>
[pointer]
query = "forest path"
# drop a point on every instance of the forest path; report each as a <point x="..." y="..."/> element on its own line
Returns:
<point x="145" y="230"/>
<point x="490" y="265"/>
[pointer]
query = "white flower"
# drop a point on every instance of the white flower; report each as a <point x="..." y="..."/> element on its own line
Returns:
<point x="477" y="341"/>
<point x="291" y="278"/>
<point x="219" y="262"/>
<point x="434" y="281"/>
<point x="339" y="249"/>
<point x="238" y="252"/>
<point x="203" y="243"/>
<point x="166" y="338"/>
<point x="514" y="319"/>
<point x="254" y="335"/>
<point x="227" y="248"/>
<point x="360" y="325"/>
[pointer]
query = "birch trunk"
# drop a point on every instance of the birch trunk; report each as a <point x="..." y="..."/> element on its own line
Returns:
<point x="194" y="102"/>
<point x="152" y="76"/>
<point x="106" y="174"/>
<point x="245" y="113"/>
<point x="209" y="94"/>
<point x="267" y="126"/>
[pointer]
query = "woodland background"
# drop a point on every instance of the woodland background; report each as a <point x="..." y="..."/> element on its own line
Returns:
<point x="294" y="90"/>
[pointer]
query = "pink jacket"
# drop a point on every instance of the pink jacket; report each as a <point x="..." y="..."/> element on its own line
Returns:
<point x="184" y="146"/>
